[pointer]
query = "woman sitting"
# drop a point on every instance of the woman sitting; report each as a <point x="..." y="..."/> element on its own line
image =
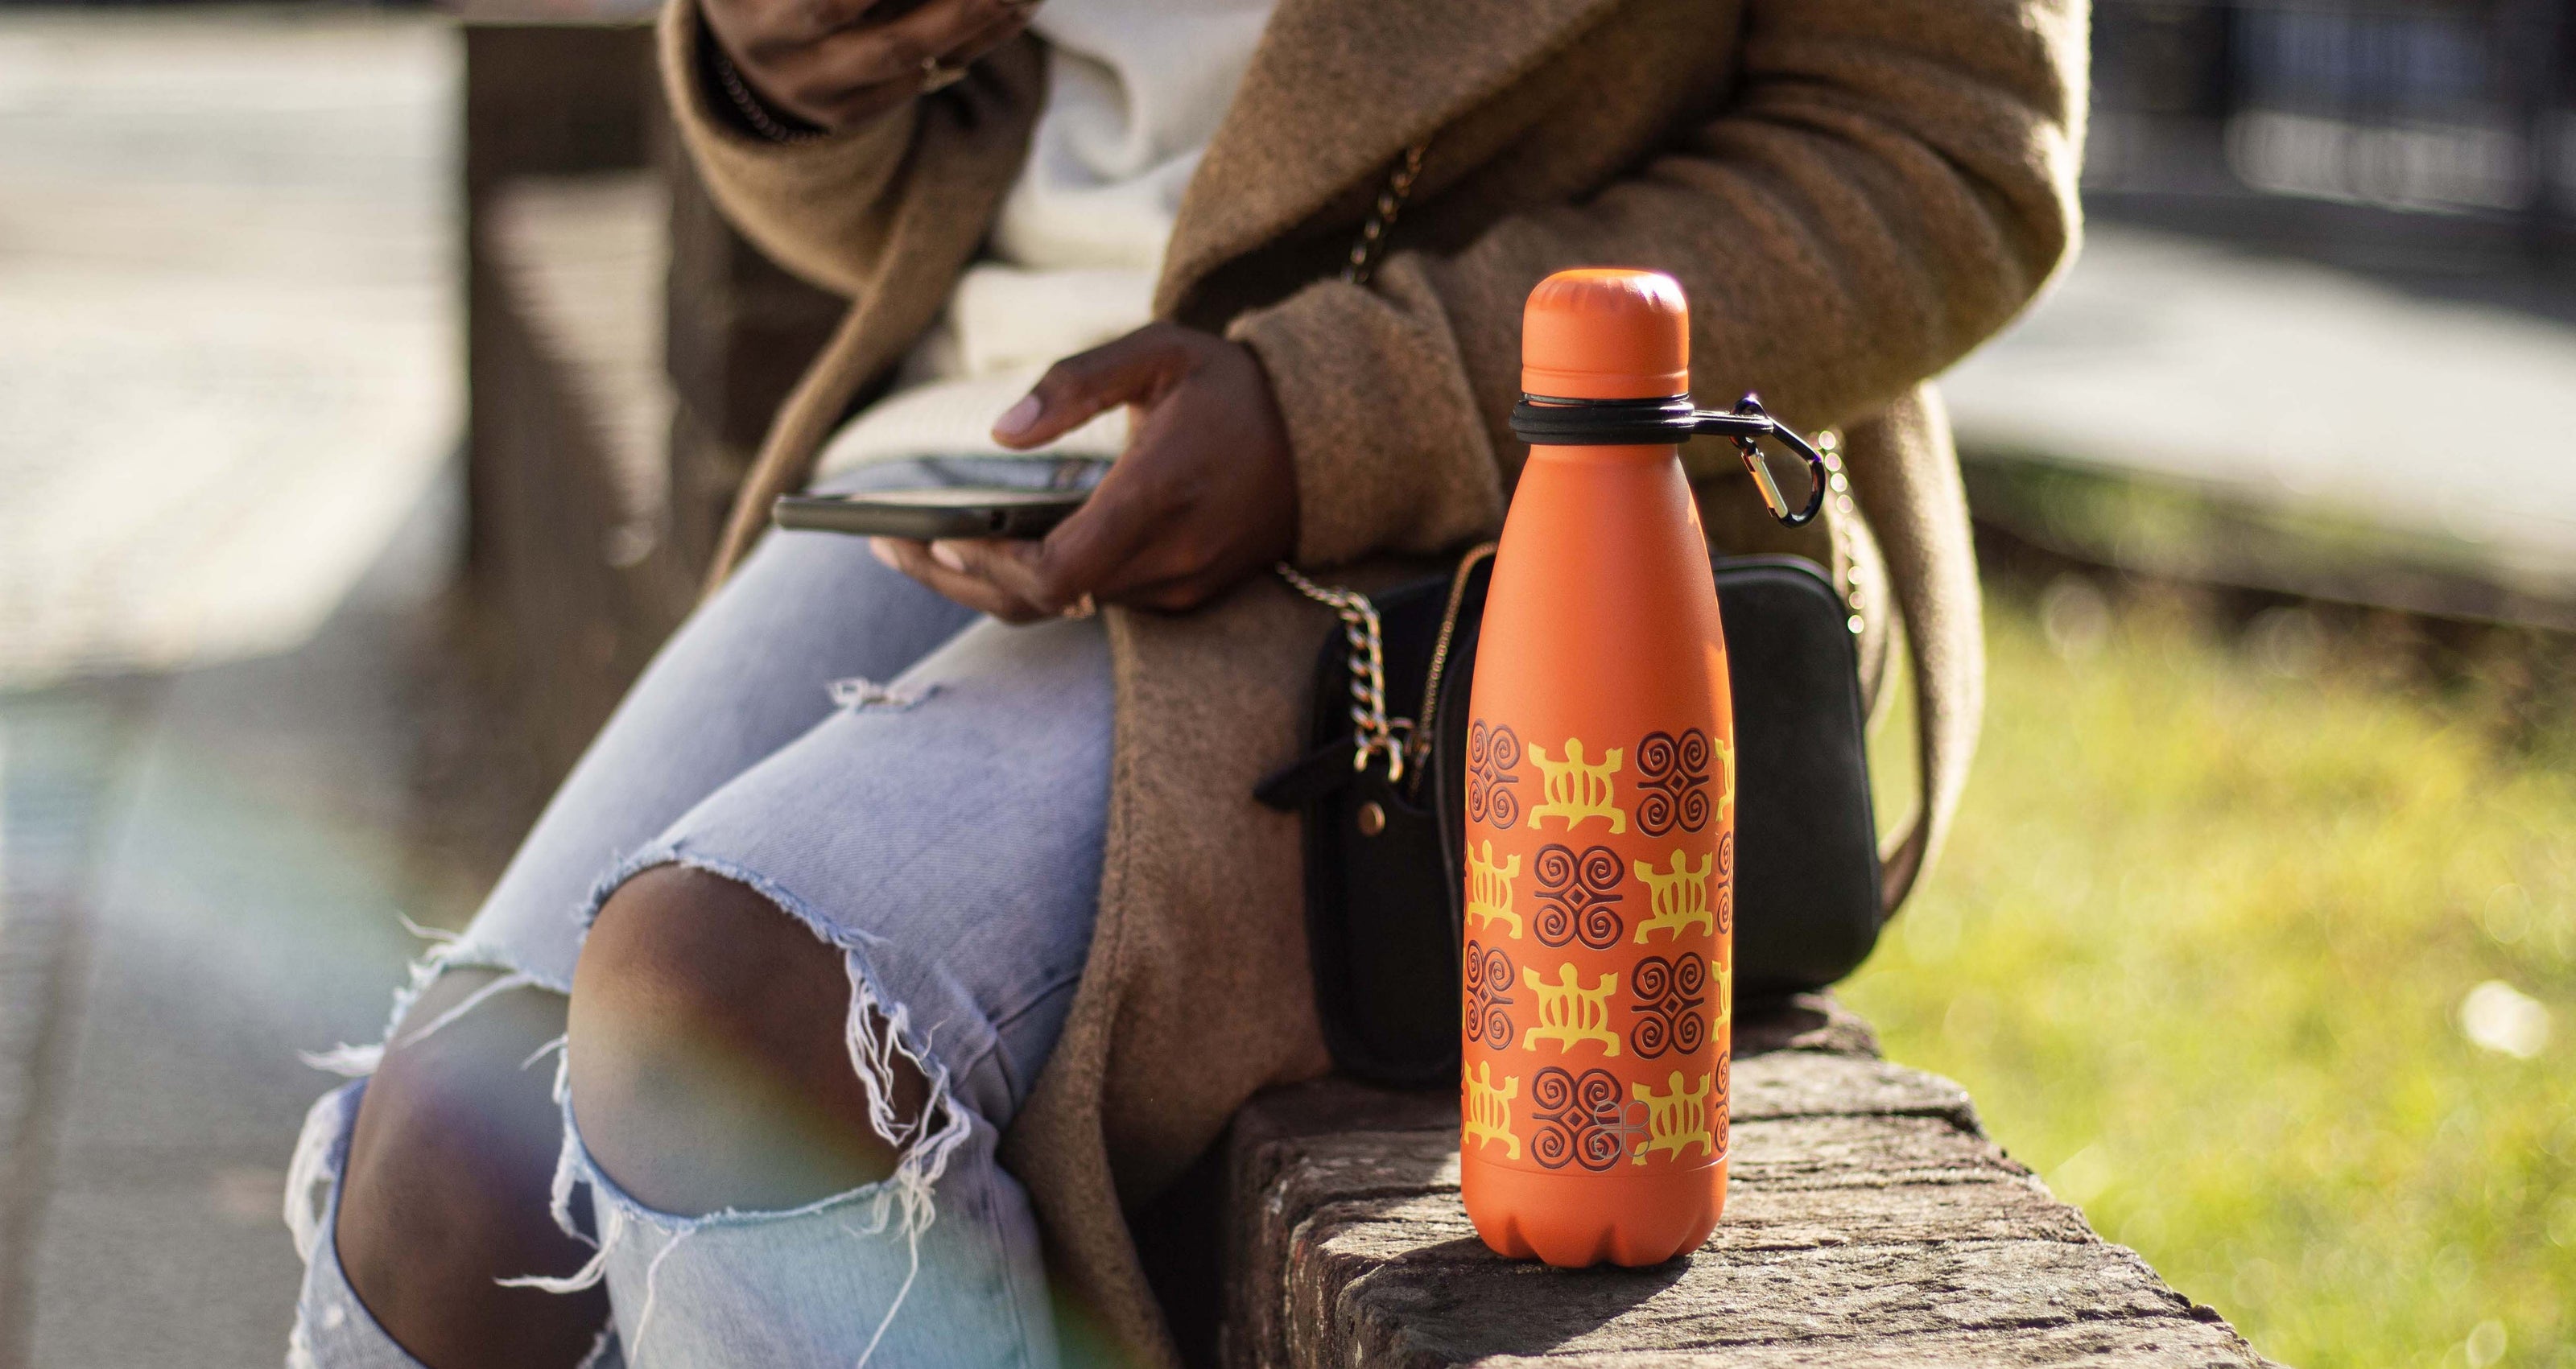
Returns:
<point x="912" y="920"/>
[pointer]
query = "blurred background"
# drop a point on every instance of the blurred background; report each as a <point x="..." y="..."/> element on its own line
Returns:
<point x="371" y="380"/>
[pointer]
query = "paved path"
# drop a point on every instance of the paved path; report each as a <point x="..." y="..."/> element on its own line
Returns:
<point x="204" y="873"/>
<point x="2449" y="426"/>
<point x="228" y="323"/>
<point x="227" y="376"/>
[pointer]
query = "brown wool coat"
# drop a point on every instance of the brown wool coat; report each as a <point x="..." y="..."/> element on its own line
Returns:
<point x="1853" y="192"/>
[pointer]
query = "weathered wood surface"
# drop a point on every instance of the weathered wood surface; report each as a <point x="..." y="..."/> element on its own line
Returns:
<point x="1869" y="1221"/>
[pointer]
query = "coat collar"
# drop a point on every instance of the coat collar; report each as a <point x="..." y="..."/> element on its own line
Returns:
<point x="1336" y="90"/>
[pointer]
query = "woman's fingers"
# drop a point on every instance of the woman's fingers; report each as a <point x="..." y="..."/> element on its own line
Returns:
<point x="945" y="570"/>
<point x="1103" y="551"/>
<point x="1130" y="370"/>
<point x="1106" y="548"/>
<point x="943" y="31"/>
<point x="1204" y="495"/>
<point x="827" y="63"/>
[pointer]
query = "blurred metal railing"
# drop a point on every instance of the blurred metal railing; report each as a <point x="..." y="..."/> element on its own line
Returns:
<point x="2461" y="107"/>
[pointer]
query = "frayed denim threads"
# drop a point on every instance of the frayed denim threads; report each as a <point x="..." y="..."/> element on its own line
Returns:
<point x="922" y="790"/>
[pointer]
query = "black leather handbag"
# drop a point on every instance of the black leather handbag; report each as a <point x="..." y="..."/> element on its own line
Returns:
<point x="1383" y="804"/>
<point x="1382" y="798"/>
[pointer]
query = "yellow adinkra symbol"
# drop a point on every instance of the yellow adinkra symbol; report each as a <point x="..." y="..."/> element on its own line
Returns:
<point x="1489" y="1109"/>
<point x="1569" y="1014"/>
<point x="1679" y="895"/>
<point x="1726" y="794"/>
<point x="1676" y="1121"/>
<point x="1489" y="889"/>
<point x="1577" y="790"/>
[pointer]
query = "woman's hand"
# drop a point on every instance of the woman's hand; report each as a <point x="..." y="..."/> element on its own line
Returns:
<point x="839" y="63"/>
<point x="1204" y="497"/>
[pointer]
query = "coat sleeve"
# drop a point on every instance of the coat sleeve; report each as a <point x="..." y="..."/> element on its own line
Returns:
<point x="836" y="209"/>
<point x="1889" y="183"/>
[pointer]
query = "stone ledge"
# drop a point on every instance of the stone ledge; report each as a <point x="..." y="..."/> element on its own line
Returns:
<point x="1869" y="1221"/>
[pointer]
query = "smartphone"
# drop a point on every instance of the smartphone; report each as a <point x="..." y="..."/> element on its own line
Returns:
<point x="928" y="514"/>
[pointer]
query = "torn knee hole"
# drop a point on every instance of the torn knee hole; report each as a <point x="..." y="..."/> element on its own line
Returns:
<point x="723" y="1057"/>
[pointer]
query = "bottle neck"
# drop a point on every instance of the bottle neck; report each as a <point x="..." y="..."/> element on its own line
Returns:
<point x="1627" y="456"/>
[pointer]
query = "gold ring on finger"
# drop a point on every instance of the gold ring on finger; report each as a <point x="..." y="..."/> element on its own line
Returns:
<point x="1081" y="608"/>
<point x="934" y="76"/>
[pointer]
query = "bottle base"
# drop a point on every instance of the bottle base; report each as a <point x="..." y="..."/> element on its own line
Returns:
<point x="1573" y="1221"/>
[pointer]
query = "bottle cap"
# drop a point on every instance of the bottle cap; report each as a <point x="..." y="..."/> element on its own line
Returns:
<point x="1606" y="333"/>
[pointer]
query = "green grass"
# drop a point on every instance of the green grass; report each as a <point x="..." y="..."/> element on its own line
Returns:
<point x="2199" y="946"/>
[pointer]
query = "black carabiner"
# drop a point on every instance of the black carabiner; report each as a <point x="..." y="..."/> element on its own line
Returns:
<point x="1550" y="421"/>
<point x="1750" y="407"/>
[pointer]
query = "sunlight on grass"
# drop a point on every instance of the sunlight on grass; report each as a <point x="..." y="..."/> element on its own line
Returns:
<point x="2201" y="945"/>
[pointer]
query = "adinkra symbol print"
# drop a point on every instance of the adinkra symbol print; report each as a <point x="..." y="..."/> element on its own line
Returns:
<point x="1579" y="1118"/>
<point x="1670" y="994"/>
<point x="1672" y="777"/>
<point x="1493" y="753"/>
<point x="1489" y="982"/>
<point x="1578" y="896"/>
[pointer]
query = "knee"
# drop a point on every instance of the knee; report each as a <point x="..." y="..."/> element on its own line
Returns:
<point x="708" y="1052"/>
<point x="452" y="1159"/>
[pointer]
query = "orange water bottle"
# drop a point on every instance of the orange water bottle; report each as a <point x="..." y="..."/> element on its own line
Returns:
<point x="1600" y="801"/>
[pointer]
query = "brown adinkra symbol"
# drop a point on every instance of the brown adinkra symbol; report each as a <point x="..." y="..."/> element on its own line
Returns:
<point x="1578" y="1118"/>
<point x="1726" y="885"/>
<point x="1578" y="896"/>
<point x="1489" y="977"/>
<point x="1670" y="994"/>
<point x="1492" y="754"/>
<point x="1672" y="782"/>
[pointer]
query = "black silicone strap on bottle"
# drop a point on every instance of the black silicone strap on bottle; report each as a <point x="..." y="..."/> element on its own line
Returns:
<point x="1546" y="420"/>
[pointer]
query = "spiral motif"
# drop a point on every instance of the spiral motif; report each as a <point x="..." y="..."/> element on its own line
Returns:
<point x="1578" y="896"/>
<point x="1601" y="1148"/>
<point x="1492" y="754"/>
<point x="1551" y="1146"/>
<point x="1650" y="1036"/>
<point x="1690" y="1033"/>
<point x="1672" y="781"/>
<point x="1489" y="981"/>
<point x="1600" y="873"/>
<point x="1578" y="1119"/>
<point x="1553" y="1142"/>
<point x="1670" y="994"/>
<point x="1555" y="870"/>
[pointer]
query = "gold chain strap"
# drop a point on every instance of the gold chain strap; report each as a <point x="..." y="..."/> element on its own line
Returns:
<point x="1371" y="243"/>
<point x="1373" y="733"/>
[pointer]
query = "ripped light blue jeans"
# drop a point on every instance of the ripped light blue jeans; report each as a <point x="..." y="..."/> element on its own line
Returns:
<point x="925" y="790"/>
